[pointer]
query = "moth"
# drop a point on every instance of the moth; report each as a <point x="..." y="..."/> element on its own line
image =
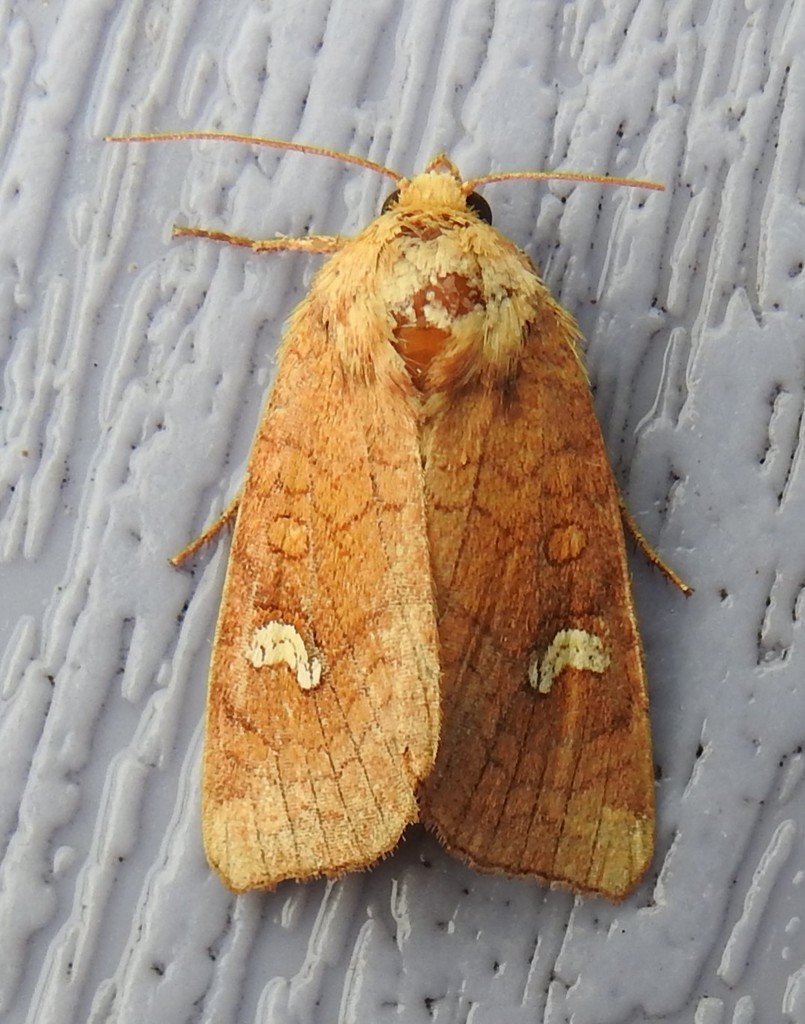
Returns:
<point x="427" y="613"/>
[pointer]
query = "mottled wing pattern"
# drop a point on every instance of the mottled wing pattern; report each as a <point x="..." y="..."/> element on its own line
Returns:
<point x="323" y="710"/>
<point x="531" y="579"/>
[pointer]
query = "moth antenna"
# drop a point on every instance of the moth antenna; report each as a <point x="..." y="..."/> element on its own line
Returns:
<point x="599" y="179"/>
<point x="256" y="140"/>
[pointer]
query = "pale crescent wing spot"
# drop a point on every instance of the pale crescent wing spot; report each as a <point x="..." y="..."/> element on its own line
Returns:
<point x="279" y="643"/>
<point x="570" y="648"/>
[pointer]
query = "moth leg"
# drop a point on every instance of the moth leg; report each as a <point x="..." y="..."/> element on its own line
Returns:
<point x="649" y="552"/>
<point x="212" y="531"/>
<point x="311" y="243"/>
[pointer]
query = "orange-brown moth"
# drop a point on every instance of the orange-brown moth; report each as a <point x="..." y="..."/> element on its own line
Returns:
<point x="427" y="613"/>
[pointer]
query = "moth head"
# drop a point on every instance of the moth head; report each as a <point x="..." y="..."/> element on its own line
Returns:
<point x="439" y="185"/>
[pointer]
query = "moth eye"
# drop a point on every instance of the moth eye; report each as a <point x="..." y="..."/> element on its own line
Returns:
<point x="480" y="207"/>
<point x="390" y="201"/>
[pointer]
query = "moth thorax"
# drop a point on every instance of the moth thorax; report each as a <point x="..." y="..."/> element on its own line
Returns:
<point x="430" y="319"/>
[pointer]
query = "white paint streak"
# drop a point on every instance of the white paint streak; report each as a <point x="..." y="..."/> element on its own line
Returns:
<point x="278" y="643"/>
<point x="741" y="947"/>
<point x="570" y="648"/>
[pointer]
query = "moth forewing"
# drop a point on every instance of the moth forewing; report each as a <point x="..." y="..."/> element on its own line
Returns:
<point x="544" y="765"/>
<point x="323" y="707"/>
